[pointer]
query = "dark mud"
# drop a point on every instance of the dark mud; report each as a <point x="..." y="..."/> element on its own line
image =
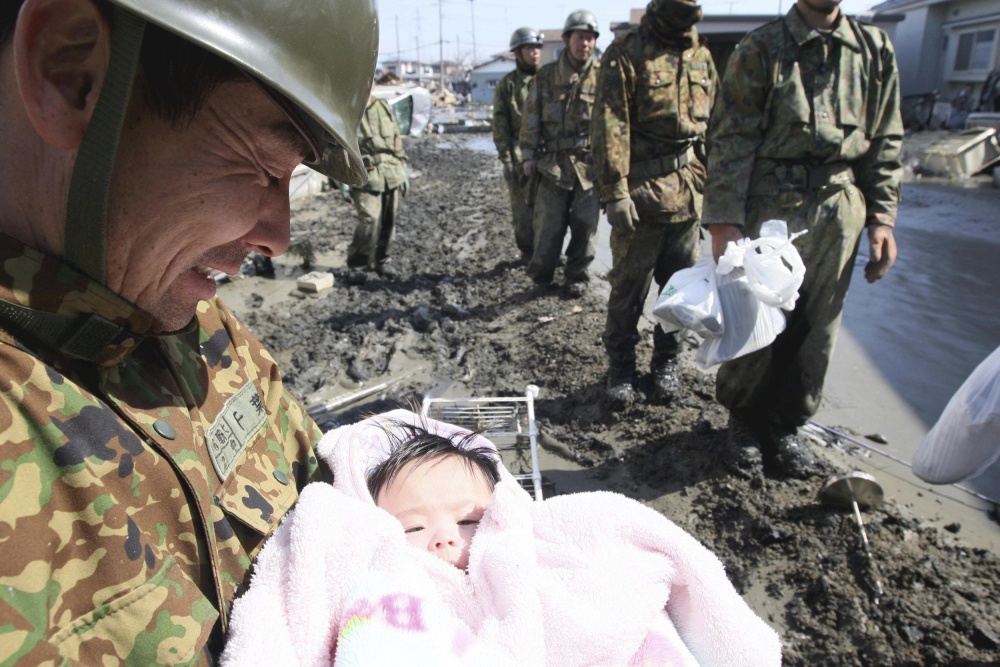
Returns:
<point x="462" y="305"/>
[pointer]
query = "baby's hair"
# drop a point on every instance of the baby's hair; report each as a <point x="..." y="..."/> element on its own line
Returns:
<point x="414" y="443"/>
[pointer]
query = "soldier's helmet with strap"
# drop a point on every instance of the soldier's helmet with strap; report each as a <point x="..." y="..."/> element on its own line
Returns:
<point x="525" y="37"/>
<point x="315" y="59"/>
<point x="581" y="19"/>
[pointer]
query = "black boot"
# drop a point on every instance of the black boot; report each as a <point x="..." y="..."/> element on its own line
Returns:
<point x="618" y="388"/>
<point x="790" y="455"/>
<point x="744" y="454"/>
<point x="666" y="381"/>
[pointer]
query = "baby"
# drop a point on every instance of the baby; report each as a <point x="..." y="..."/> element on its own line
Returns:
<point x="436" y="488"/>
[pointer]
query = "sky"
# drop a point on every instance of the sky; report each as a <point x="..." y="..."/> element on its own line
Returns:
<point x="417" y="22"/>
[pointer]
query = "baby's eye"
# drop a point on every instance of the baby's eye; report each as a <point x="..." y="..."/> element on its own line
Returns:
<point x="468" y="522"/>
<point x="414" y="529"/>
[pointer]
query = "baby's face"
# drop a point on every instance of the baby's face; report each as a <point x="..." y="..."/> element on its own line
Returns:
<point x="439" y="503"/>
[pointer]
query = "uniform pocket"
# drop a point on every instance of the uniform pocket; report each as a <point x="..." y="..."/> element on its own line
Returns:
<point x="163" y="621"/>
<point x="701" y="101"/>
<point x="788" y="103"/>
<point x="261" y="488"/>
<point x="656" y="96"/>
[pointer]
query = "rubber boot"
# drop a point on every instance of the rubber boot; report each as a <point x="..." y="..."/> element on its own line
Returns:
<point x="666" y="381"/>
<point x="618" y="388"/>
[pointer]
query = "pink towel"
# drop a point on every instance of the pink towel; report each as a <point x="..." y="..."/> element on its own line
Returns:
<point x="582" y="579"/>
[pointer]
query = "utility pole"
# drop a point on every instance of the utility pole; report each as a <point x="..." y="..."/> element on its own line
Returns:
<point x="441" y="41"/>
<point x="417" y="40"/>
<point x="399" y="66"/>
<point x="472" y="3"/>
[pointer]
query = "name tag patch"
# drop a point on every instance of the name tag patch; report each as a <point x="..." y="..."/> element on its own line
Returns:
<point x="241" y="417"/>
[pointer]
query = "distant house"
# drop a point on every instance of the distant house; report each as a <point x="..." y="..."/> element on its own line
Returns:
<point x="422" y="72"/>
<point x="485" y="77"/>
<point x="949" y="46"/>
<point x="724" y="31"/>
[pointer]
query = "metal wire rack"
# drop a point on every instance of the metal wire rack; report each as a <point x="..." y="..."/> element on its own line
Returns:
<point x="509" y="421"/>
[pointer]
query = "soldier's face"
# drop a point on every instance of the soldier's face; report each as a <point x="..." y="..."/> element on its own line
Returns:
<point x="581" y="44"/>
<point x="821" y="6"/>
<point x="196" y="197"/>
<point x="530" y="54"/>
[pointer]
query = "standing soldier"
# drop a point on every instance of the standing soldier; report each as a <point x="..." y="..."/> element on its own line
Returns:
<point x="508" y="107"/>
<point x="377" y="203"/>
<point x="555" y="139"/>
<point x="807" y="130"/>
<point x="654" y="98"/>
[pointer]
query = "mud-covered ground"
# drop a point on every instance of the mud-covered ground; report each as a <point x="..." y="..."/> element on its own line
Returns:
<point x="462" y="306"/>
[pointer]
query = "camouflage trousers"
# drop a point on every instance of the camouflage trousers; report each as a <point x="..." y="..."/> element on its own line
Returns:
<point x="783" y="383"/>
<point x="653" y="250"/>
<point x="519" y="188"/>
<point x="376" y="228"/>
<point x="555" y="211"/>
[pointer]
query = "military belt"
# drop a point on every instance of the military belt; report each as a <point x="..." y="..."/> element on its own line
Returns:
<point x="567" y="144"/>
<point x="771" y="177"/>
<point x="661" y="166"/>
<point x="372" y="161"/>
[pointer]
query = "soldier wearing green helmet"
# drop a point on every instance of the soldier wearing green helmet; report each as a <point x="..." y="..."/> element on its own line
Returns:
<point x="508" y="109"/>
<point x="147" y="445"/>
<point x="555" y="140"/>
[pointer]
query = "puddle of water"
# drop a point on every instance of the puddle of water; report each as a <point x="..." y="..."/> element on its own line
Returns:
<point x="483" y="144"/>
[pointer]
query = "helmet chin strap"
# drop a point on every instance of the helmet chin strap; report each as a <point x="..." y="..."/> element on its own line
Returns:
<point x="87" y="203"/>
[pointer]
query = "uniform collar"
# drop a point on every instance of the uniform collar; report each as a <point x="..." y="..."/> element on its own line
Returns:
<point x="85" y="319"/>
<point x="802" y="32"/>
<point x="566" y="70"/>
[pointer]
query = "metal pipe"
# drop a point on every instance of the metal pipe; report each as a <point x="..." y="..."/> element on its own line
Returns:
<point x="896" y="459"/>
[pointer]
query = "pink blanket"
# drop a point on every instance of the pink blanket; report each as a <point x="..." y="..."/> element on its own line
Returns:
<point x="582" y="579"/>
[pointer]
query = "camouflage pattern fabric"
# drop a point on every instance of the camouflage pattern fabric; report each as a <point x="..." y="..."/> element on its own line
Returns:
<point x="650" y="251"/>
<point x="381" y="147"/>
<point x="559" y="107"/>
<point x="557" y="210"/>
<point x="371" y="244"/>
<point x="508" y="108"/>
<point x="119" y="541"/>
<point x="793" y="98"/>
<point x="653" y="100"/>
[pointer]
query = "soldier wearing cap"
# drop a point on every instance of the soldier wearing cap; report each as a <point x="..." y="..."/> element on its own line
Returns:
<point x="807" y="130"/>
<point x="654" y="97"/>
<point x="377" y="202"/>
<point x="147" y="445"/>
<point x="555" y="141"/>
<point x="508" y="109"/>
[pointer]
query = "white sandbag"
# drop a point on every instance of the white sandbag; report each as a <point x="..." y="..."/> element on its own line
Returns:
<point x="689" y="301"/>
<point x="965" y="441"/>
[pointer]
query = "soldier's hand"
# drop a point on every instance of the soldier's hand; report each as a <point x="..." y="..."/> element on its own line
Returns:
<point x="882" y="252"/>
<point x="722" y="234"/>
<point x="508" y="171"/>
<point x="622" y="214"/>
<point x="529" y="168"/>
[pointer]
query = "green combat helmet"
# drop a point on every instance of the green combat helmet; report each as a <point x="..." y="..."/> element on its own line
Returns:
<point x="315" y="59"/>
<point x="581" y="19"/>
<point x="525" y="37"/>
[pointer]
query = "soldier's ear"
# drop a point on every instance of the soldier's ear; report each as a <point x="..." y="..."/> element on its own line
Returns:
<point x="61" y="52"/>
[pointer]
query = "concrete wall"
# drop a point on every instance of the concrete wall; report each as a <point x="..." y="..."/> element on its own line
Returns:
<point x="484" y="80"/>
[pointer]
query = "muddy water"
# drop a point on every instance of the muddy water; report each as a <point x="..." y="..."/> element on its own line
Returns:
<point x="936" y="316"/>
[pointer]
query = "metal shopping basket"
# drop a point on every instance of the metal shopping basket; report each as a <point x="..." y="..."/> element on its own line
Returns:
<point x="507" y="421"/>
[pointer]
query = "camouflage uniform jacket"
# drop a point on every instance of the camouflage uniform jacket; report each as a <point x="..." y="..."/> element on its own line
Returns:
<point x="381" y="147"/>
<point x="791" y="97"/>
<point x="508" y="109"/>
<point x="135" y="490"/>
<point x="557" y="113"/>
<point x="653" y="101"/>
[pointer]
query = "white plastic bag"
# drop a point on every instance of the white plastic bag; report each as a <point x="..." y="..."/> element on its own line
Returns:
<point x="756" y="280"/>
<point x="965" y="441"/>
<point x="689" y="301"/>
